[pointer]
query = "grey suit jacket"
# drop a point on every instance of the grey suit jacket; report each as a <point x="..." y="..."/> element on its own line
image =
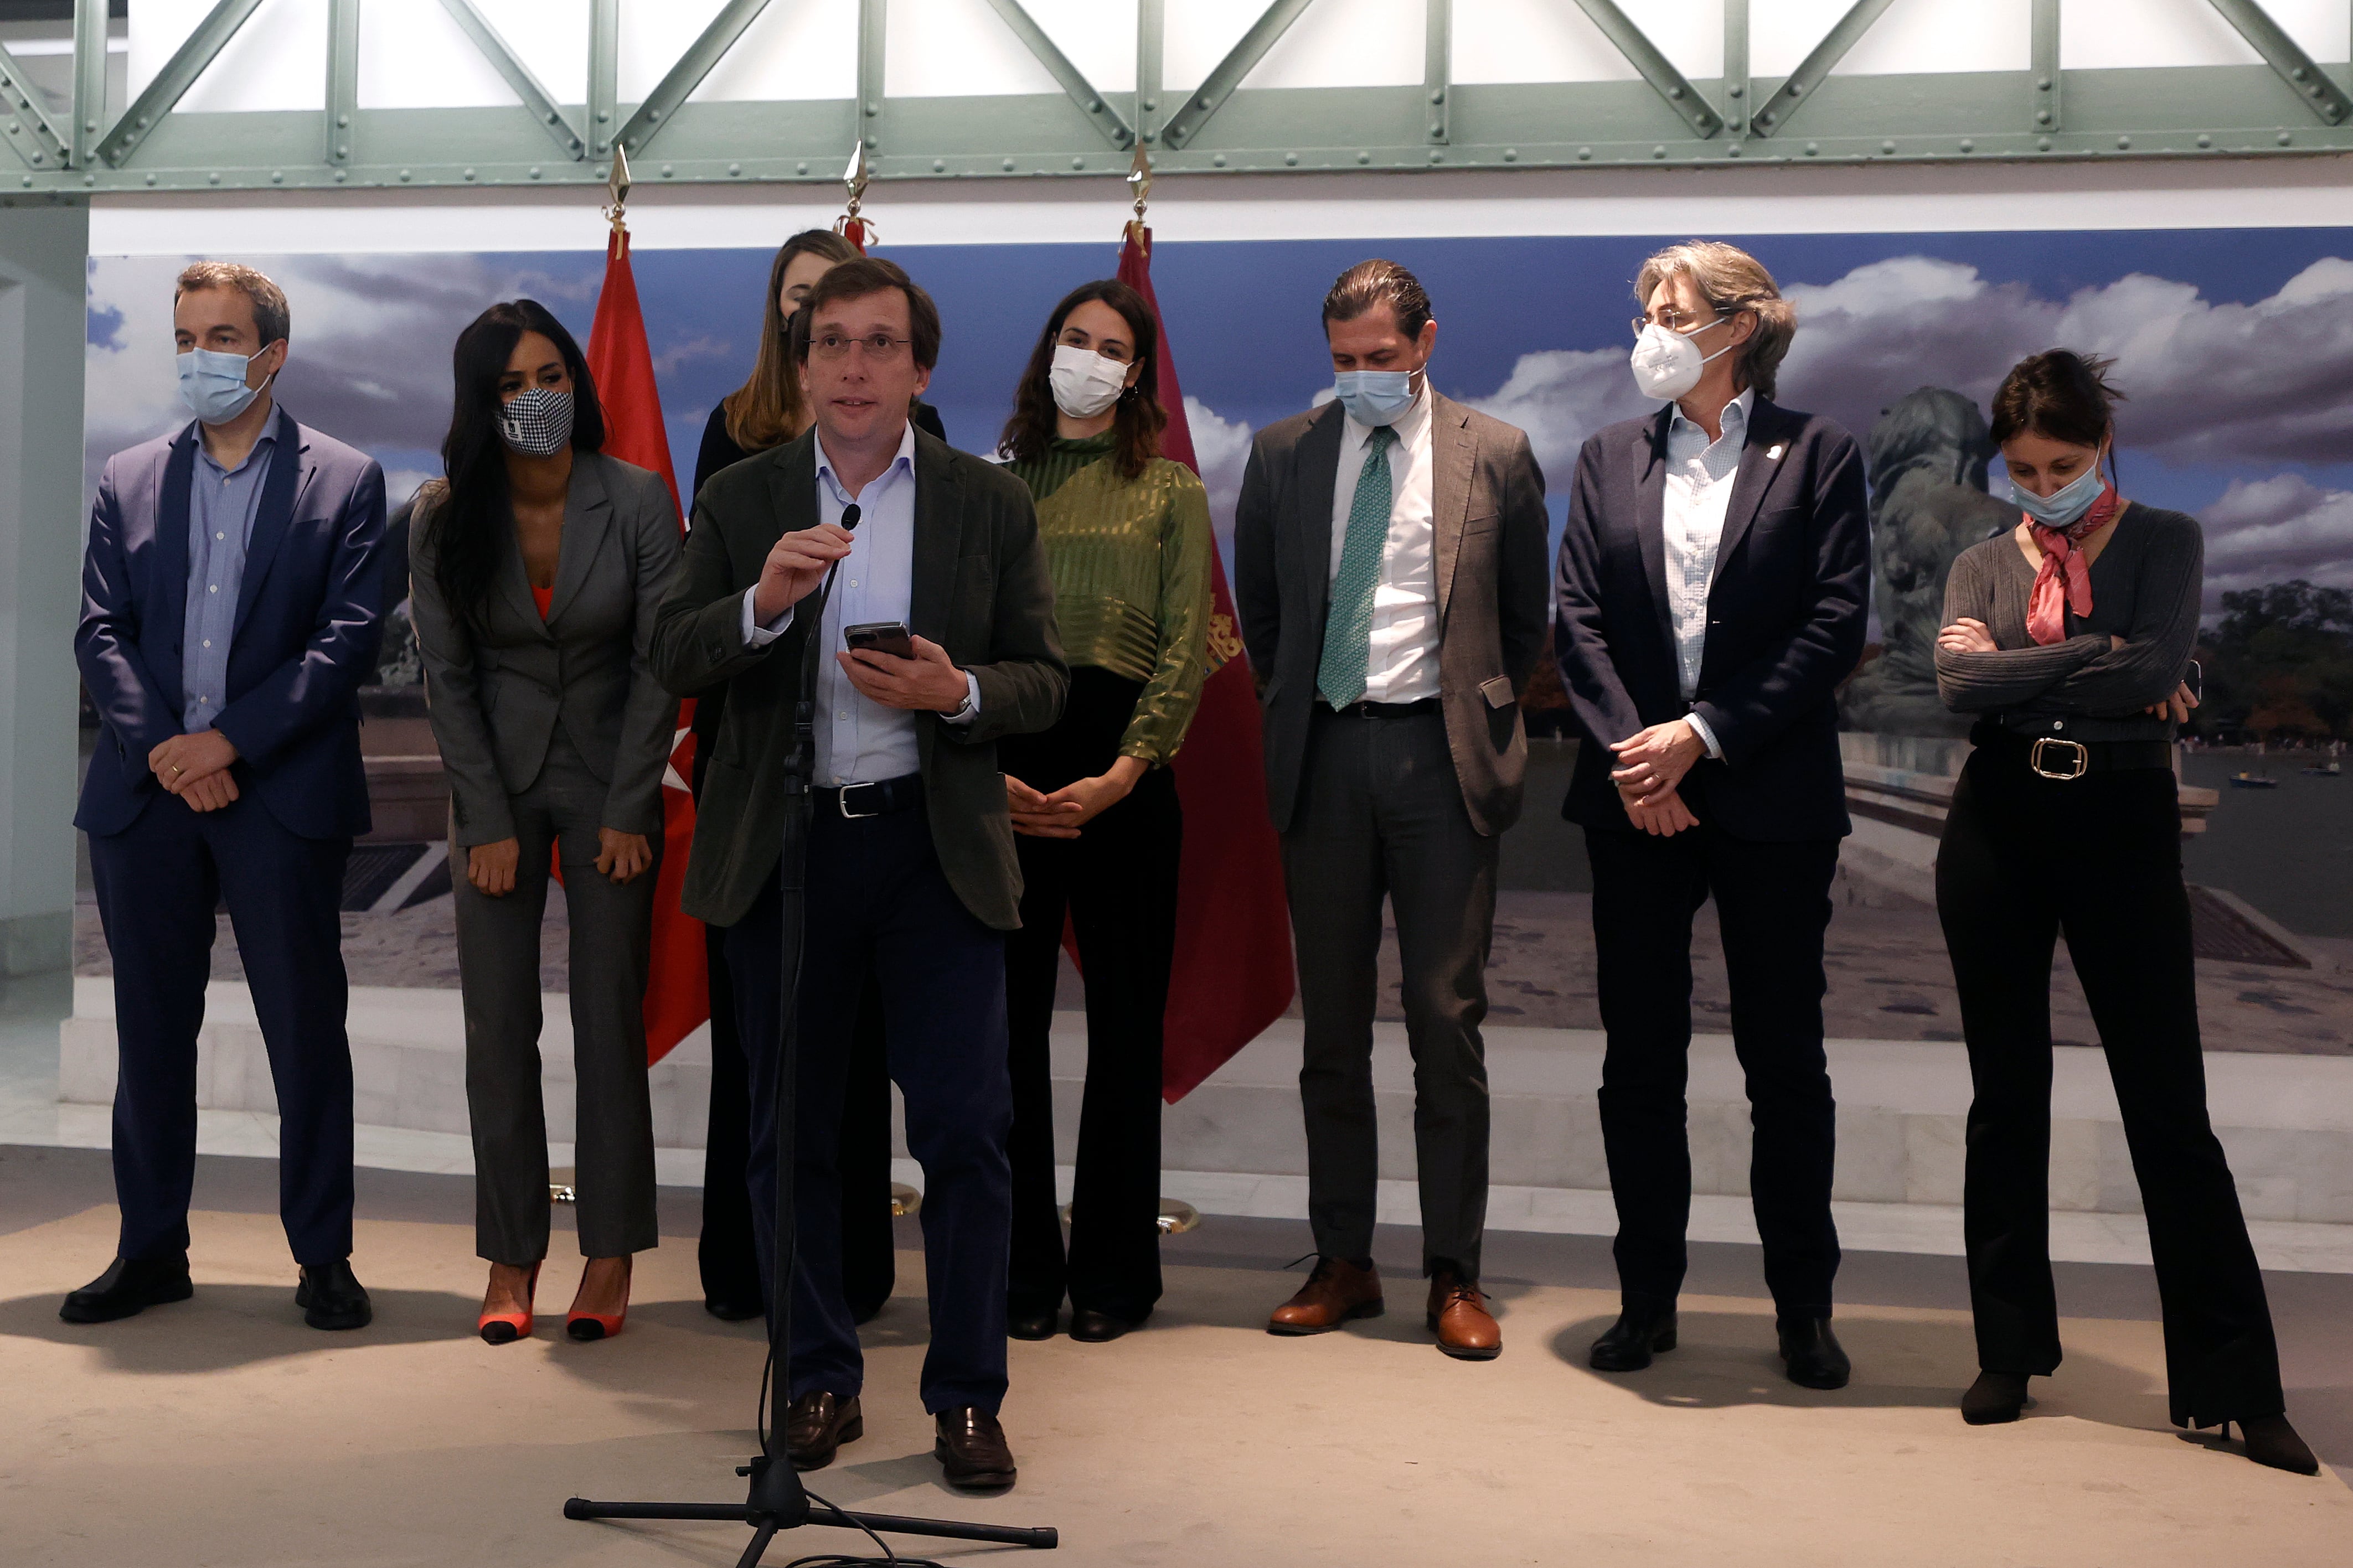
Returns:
<point x="497" y="694"/>
<point x="981" y="591"/>
<point x="1487" y="506"/>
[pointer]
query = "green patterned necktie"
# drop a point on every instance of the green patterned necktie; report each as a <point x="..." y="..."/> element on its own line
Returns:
<point x="1348" y="628"/>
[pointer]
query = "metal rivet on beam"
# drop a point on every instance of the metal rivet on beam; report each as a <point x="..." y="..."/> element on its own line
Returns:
<point x="1364" y="157"/>
<point x="2125" y="143"/>
<point x="1078" y="163"/>
<point x="2043" y="144"/>
<point x="2205" y="141"/>
<point x="732" y="168"/>
<point x="801" y="168"/>
<point x="534" y="171"/>
<point x="1219" y="160"/>
<point x="1812" y="147"/>
<point x="2285" y="140"/>
<point x="1967" y="145"/>
<point x="276" y="176"/>
<point x="403" y="176"/>
<point x="1292" y="159"/>
<point x="213" y="177"/>
<point x="341" y="174"/>
<point x="939" y="166"/>
<point x="1008" y="167"/>
<point x="469" y="174"/>
<point x="1658" y="152"/>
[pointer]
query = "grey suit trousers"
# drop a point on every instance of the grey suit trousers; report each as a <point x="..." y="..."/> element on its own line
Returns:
<point x="498" y="966"/>
<point x="1380" y="813"/>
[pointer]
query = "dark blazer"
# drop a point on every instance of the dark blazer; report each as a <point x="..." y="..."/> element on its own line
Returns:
<point x="1487" y="505"/>
<point x="497" y="694"/>
<point x="981" y="591"/>
<point x="304" y="642"/>
<point x="1785" y="622"/>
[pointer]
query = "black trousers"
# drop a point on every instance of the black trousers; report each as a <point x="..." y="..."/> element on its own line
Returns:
<point x="1380" y="813"/>
<point x="158" y="881"/>
<point x="1118" y="884"/>
<point x="1772" y="904"/>
<point x="2099" y="859"/>
<point x="729" y="1263"/>
<point x="880" y="902"/>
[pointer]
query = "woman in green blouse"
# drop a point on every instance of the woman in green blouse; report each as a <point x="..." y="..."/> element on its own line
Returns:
<point x="1127" y="538"/>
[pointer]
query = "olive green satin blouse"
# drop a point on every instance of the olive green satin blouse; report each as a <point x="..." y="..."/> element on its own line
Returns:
<point x="1130" y="560"/>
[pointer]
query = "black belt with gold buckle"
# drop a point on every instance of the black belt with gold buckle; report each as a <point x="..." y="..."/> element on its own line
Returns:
<point x="2079" y="755"/>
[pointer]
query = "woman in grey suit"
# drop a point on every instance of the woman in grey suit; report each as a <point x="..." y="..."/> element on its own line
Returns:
<point x="538" y="564"/>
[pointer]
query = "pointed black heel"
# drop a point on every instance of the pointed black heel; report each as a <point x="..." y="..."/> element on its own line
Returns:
<point x="1995" y="1397"/>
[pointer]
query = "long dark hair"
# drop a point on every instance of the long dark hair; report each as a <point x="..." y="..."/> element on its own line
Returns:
<point x="767" y="410"/>
<point x="467" y="514"/>
<point x="1140" y="419"/>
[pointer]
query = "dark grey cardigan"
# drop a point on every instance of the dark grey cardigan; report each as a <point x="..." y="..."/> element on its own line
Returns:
<point x="2146" y="588"/>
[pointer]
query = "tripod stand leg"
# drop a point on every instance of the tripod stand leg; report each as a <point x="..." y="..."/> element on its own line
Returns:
<point x="752" y="1553"/>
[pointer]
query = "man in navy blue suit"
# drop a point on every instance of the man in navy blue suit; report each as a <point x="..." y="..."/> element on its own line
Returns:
<point x="230" y="596"/>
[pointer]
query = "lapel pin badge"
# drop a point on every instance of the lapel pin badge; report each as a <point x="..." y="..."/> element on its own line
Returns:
<point x="1773" y="453"/>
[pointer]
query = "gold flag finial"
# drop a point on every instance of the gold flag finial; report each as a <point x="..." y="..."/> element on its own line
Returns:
<point x="617" y="190"/>
<point x="1139" y="175"/>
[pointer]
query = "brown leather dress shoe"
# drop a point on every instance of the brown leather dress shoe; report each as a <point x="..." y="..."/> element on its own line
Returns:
<point x="818" y="1425"/>
<point x="971" y="1448"/>
<point x="1336" y="1291"/>
<point x="1458" y="1317"/>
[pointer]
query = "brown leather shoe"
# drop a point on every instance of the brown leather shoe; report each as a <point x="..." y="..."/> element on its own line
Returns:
<point x="1336" y="1291"/>
<point x="971" y="1448"/>
<point x="1458" y="1317"/>
<point x="817" y="1424"/>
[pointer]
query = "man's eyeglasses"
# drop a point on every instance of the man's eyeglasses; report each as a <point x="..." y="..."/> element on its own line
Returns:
<point x="880" y="347"/>
<point x="1676" y="321"/>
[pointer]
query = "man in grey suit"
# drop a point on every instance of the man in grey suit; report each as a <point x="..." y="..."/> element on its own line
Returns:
<point x="1389" y="568"/>
<point x="911" y="870"/>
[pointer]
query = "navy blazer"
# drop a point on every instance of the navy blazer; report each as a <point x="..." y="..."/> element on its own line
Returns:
<point x="1786" y="616"/>
<point x="305" y="638"/>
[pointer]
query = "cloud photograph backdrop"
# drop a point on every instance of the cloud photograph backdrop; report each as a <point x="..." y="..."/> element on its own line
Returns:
<point x="2234" y="347"/>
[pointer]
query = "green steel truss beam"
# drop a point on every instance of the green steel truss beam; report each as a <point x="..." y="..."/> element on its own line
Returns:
<point x="1081" y="91"/>
<point x="2279" y="52"/>
<point x="1815" y="70"/>
<point x="1239" y="61"/>
<point x="679" y="84"/>
<point x="171" y="84"/>
<point x="1655" y="67"/>
<point x="526" y="86"/>
<point x="1663" y="120"/>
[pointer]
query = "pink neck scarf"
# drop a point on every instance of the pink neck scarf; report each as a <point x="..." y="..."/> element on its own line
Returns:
<point x="2063" y="581"/>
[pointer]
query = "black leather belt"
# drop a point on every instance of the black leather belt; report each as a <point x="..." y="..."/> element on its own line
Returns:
<point x="2057" y="757"/>
<point x="1381" y="709"/>
<point x="879" y="798"/>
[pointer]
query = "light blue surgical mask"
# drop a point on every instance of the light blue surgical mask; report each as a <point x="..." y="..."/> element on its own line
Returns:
<point x="1374" y="396"/>
<point x="213" y="384"/>
<point x="2063" y="506"/>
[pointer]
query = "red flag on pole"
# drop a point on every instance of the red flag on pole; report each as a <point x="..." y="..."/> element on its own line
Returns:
<point x="677" y="987"/>
<point x="1233" y="973"/>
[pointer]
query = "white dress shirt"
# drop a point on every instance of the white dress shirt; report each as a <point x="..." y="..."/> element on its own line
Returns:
<point x="1700" y="474"/>
<point x="860" y="741"/>
<point x="1402" y="663"/>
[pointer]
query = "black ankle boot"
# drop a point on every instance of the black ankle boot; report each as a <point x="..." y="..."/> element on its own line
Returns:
<point x="1994" y="1397"/>
<point x="2272" y="1441"/>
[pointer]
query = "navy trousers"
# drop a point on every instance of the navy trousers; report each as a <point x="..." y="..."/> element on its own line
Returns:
<point x="879" y="901"/>
<point x="158" y="882"/>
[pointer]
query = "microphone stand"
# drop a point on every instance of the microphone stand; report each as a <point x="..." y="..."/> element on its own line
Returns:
<point x="777" y="1501"/>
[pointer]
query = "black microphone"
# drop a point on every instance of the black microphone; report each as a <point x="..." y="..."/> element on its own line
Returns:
<point x="849" y="516"/>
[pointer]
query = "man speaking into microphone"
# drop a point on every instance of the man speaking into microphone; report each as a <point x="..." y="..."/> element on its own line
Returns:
<point x="911" y="865"/>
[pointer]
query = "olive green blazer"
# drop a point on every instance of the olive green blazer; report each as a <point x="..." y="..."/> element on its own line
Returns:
<point x="981" y="591"/>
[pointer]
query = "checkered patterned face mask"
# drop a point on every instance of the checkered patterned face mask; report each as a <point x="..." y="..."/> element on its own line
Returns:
<point x="536" y="421"/>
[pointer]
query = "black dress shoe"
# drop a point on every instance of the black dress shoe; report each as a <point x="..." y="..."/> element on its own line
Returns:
<point x="2272" y="1441"/>
<point x="1815" y="1357"/>
<point x="730" y="1311"/>
<point x="1099" y="1328"/>
<point x="1642" y="1328"/>
<point x="1030" y="1325"/>
<point x="1995" y="1397"/>
<point x="332" y="1297"/>
<point x="818" y="1425"/>
<point x="129" y="1287"/>
<point x="971" y="1448"/>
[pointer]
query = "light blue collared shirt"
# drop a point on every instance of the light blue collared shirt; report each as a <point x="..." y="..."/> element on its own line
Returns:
<point x="860" y="741"/>
<point x="222" y="505"/>
<point x="1700" y="474"/>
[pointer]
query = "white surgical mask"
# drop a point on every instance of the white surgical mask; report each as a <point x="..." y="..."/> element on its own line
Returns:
<point x="536" y="421"/>
<point x="213" y="384"/>
<point x="2066" y="505"/>
<point x="1085" y="382"/>
<point x="1667" y="364"/>
<point x="1374" y="396"/>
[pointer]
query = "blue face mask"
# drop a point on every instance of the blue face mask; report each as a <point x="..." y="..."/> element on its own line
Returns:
<point x="1374" y="396"/>
<point x="2065" y="506"/>
<point x="213" y="384"/>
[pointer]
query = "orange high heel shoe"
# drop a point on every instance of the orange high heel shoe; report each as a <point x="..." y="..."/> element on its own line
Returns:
<point x="587" y="1326"/>
<point x="505" y="1328"/>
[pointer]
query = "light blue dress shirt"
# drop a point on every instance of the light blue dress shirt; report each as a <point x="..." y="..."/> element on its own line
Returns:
<point x="1700" y="474"/>
<point x="222" y="505"/>
<point x="860" y="741"/>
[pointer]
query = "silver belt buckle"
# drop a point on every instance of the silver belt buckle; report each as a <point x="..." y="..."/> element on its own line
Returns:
<point x="2083" y="758"/>
<point x="842" y="801"/>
